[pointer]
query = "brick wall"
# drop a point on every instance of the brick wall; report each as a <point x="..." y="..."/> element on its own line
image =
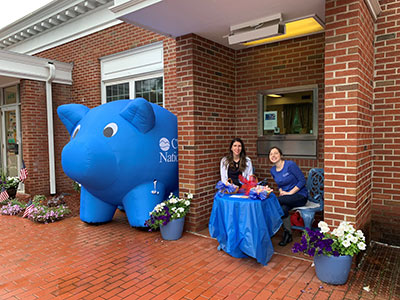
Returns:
<point x="348" y="112"/>
<point x="217" y="89"/>
<point x="61" y="95"/>
<point x="206" y="119"/>
<point x="289" y="63"/>
<point x="213" y="91"/>
<point x="34" y="136"/>
<point x="386" y="126"/>
<point x="84" y="53"/>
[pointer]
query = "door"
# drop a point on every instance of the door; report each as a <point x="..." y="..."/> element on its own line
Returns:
<point x="10" y="131"/>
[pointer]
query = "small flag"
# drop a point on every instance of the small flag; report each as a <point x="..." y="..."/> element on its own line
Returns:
<point x="28" y="209"/>
<point x="4" y="195"/>
<point x="23" y="173"/>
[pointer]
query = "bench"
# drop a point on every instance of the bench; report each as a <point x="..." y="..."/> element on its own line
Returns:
<point x="315" y="201"/>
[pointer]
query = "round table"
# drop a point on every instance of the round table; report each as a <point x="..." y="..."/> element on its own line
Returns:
<point x="244" y="227"/>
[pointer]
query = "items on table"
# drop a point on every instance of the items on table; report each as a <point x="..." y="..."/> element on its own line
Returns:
<point x="260" y="192"/>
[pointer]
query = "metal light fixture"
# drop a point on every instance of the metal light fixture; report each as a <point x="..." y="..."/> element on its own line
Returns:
<point x="295" y="28"/>
<point x="254" y="30"/>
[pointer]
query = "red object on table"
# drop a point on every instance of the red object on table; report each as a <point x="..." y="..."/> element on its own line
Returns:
<point x="247" y="184"/>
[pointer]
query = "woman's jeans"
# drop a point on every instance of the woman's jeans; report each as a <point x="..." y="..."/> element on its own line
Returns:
<point x="288" y="202"/>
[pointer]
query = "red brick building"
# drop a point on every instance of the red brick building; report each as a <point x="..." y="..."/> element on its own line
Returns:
<point x="346" y="76"/>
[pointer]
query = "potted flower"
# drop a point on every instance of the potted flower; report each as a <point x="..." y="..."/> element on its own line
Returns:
<point x="332" y="251"/>
<point x="10" y="184"/>
<point x="169" y="216"/>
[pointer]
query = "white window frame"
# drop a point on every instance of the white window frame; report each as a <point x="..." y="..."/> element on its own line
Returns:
<point x="141" y="63"/>
<point x="131" y="82"/>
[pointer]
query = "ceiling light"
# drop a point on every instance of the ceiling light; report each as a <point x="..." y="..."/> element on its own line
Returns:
<point x="254" y="30"/>
<point x="295" y="28"/>
<point x="274" y="95"/>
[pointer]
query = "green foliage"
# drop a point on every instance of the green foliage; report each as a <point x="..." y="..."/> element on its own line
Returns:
<point x="8" y="182"/>
<point x="77" y="187"/>
<point x="44" y="214"/>
<point x="39" y="199"/>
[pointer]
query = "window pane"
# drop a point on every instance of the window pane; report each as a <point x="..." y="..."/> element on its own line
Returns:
<point x="10" y="95"/>
<point x="288" y="113"/>
<point x="150" y="89"/>
<point x="138" y="86"/>
<point x="117" y="92"/>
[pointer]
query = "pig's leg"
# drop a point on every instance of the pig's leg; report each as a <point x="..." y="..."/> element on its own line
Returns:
<point x="94" y="210"/>
<point x="140" y="201"/>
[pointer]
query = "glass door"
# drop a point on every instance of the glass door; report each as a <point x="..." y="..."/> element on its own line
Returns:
<point x="10" y="131"/>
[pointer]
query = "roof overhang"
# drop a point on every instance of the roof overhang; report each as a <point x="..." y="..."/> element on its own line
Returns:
<point x="22" y="66"/>
<point x="213" y="19"/>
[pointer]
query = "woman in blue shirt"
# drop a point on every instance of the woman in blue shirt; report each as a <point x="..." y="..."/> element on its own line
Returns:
<point x="292" y="188"/>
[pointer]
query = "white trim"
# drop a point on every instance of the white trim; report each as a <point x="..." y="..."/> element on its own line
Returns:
<point x="34" y="68"/>
<point x="10" y="83"/>
<point x="123" y="7"/>
<point x="50" y="131"/>
<point x="141" y="60"/>
<point x="68" y="32"/>
<point x="140" y="63"/>
<point x="57" y="23"/>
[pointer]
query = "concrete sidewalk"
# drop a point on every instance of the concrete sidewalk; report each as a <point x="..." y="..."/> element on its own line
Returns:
<point x="72" y="260"/>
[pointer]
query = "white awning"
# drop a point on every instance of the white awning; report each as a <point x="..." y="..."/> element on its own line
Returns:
<point x="22" y="66"/>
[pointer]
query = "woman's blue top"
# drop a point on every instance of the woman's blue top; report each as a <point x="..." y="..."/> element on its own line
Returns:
<point x="289" y="177"/>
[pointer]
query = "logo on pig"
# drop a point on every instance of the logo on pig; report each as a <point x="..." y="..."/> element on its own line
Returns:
<point x="166" y="155"/>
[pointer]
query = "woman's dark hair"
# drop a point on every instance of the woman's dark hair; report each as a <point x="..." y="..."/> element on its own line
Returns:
<point x="242" y="161"/>
<point x="274" y="147"/>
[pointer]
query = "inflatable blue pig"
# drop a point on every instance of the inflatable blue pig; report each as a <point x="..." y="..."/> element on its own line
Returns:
<point x="123" y="153"/>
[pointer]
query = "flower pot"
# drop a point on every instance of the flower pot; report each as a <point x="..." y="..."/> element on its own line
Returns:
<point x="332" y="269"/>
<point x="173" y="230"/>
<point x="12" y="192"/>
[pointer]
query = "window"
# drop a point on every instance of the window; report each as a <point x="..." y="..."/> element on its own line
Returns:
<point x="150" y="89"/>
<point x="117" y="92"/>
<point x="133" y="73"/>
<point x="288" y="119"/>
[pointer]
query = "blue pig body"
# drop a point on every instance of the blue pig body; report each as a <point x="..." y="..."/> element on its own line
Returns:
<point x="123" y="153"/>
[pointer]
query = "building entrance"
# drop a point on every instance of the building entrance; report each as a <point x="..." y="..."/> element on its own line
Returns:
<point x="10" y="131"/>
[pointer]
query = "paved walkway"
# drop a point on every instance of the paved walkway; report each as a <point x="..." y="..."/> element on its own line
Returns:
<point x="72" y="260"/>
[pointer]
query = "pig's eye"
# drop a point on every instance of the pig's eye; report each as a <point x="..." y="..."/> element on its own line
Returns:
<point x="110" y="130"/>
<point x="76" y="130"/>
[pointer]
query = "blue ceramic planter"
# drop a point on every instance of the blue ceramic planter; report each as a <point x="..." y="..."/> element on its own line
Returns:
<point x="173" y="230"/>
<point x="331" y="269"/>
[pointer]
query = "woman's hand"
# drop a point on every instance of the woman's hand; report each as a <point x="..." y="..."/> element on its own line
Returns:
<point x="283" y="193"/>
<point x="291" y="192"/>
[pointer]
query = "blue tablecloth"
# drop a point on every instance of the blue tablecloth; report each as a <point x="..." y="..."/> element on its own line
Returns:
<point x="244" y="227"/>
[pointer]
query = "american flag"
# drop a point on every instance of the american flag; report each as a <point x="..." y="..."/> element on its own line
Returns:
<point x="3" y="195"/>
<point x="23" y="173"/>
<point x="28" y="209"/>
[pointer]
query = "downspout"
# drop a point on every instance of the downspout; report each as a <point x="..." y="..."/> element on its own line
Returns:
<point x="50" y="131"/>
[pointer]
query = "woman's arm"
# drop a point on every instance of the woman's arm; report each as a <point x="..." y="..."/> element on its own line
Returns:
<point x="223" y="169"/>
<point x="249" y="169"/>
<point x="301" y="180"/>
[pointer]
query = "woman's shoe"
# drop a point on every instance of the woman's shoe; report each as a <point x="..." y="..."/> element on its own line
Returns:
<point x="287" y="238"/>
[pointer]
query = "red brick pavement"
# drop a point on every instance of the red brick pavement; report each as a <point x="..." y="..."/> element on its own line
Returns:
<point x="72" y="260"/>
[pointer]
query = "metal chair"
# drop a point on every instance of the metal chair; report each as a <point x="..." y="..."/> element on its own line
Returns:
<point x="315" y="202"/>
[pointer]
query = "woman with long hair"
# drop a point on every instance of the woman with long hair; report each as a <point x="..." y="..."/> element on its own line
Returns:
<point x="236" y="163"/>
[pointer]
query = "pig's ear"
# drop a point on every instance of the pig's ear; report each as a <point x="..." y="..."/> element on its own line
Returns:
<point x="71" y="114"/>
<point x="140" y="114"/>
